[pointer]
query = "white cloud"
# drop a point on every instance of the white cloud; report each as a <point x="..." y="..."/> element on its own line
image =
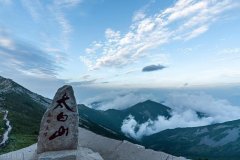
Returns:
<point x="7" y="42"/>
<point x="33" y="8"/>
<point x="19" y="57"/>
<point x="53" y="14"/>
<point x="66" y="28"/>
<point x="111" y="35"/>
<point x="221" y="110"/>
<point x="139" y="16"/>
<point x="58" y="10"/>
<point x="68" y="3"/>
<point x="118" y="100"/>
<point x="35" y="72"/>
<point x="229" y="51"/>
<point x="148" y="32"/>
<point x="196" y="32"/>
<point x="228" y="54"/>
<point x="145" y="25"/>
<point x="86" y="61"/>
<point x="184" y="107"/>
<point x="133" y="129"/>
<point x="180" y="10"/>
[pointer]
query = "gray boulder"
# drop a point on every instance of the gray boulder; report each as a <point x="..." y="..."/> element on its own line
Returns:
<point x="59" y="125"/>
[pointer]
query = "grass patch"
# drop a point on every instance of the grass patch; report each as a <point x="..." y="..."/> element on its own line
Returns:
<point x="18" y="141"/>
<point x="24" y="115"/>
<point x="2" y="124"/>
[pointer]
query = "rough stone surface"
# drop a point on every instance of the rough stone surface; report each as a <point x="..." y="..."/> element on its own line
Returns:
<point x="111" y="149"/>
<point x="80" y="154"/>
<point x="29" y="153"/>
<point x="58" y="155"/>
<point x="59" y="125"/>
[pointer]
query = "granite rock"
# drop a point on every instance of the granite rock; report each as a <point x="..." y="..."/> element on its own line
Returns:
<point x="59" y="125"/>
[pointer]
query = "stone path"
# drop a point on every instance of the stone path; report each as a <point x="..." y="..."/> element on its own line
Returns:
<point x="8" y="130"/>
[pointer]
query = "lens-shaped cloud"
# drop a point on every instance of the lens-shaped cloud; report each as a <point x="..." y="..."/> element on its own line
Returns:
<point x="151" y="68"/>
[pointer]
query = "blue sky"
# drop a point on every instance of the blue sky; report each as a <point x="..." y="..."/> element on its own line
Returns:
<point x="102" y="44"/>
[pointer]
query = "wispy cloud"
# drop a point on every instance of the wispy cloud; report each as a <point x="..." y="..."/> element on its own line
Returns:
<point x="58" y="9"/>
<point x="67" y="3"/>
<point x="139" y="15"/>
<point x="6" y="42"/>
<point x="66" y="28"/>
<point x="153" y="67"/>
<point x="53" y="13"/>
<point x="20" y="57"/>
<point x="34" y="8"/>
<point x="83" y="83"/>
<point x="193" y="18"/>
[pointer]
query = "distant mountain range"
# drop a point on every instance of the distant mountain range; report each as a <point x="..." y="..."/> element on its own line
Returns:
<point x="219" y="141"/>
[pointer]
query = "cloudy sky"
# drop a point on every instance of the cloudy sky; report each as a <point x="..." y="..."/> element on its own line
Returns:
<point x="99" y="44"/>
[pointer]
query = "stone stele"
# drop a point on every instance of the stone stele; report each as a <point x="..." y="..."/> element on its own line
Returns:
<point x="59" y="125"/>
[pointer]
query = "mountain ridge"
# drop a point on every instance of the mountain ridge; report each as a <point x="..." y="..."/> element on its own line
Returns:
<point x="212" y="141"/>
<point x="8" y="85"/>
<point x="25" y="110"/>
<point x="191" y="142"/>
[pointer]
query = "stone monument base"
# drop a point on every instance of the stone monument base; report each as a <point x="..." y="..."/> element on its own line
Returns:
<point x="80" y="154"/>
<point x="59" y="155"/>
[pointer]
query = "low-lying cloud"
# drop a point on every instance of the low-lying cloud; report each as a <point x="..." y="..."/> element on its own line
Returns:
<point x="187" y="118"/>
<point x="151" y="68"/>
<point x="185" y="107"/>
<point x="118" y="100"/>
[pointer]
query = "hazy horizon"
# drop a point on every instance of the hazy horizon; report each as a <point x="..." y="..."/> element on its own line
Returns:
<point x="121" y="44"/>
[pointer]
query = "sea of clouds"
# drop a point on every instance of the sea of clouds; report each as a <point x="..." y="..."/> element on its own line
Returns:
<point x="184" y="106"/>
<point x="118" y="99"/>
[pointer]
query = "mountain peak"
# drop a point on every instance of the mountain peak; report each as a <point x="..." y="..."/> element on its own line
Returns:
<point x="150" y="101"/>
<point x="7" y="85"/>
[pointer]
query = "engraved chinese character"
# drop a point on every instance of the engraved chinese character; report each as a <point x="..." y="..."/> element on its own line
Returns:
<point x="62" y="117"/>
<point x="62" y="103"/>
<point x="61" y="131"/>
